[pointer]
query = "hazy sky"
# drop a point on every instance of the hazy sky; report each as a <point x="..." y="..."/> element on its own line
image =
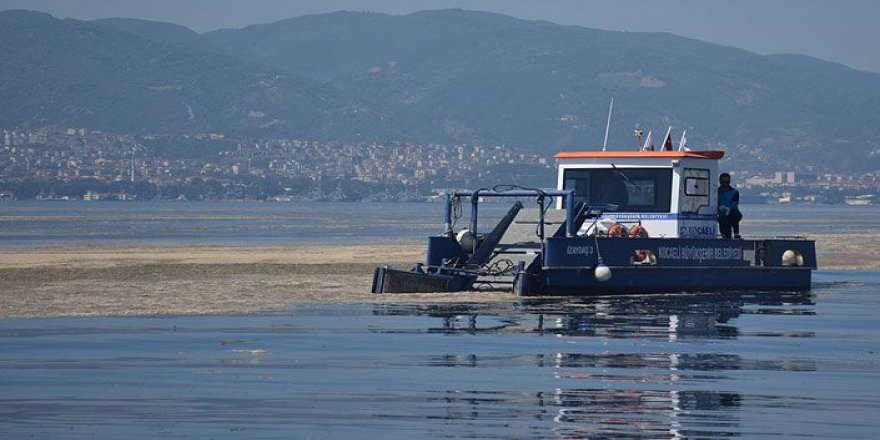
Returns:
<point x="843" y="31"/>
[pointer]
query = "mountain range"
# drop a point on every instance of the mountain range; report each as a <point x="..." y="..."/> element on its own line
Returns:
<point x="448" y="76"/>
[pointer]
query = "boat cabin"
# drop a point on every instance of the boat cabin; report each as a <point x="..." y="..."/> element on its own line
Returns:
<point x="668" y="193"/>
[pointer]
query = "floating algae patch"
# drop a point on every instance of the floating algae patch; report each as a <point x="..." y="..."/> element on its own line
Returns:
<point x="230" y="341"/>
<point x="286" y="328"/>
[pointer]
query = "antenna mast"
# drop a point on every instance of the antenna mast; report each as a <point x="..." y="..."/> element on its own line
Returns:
<point x="608" y="124"/>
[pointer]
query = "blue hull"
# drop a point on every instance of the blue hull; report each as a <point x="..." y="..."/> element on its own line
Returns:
<point x="659" y="279"/>
<point x="679" y="265"/>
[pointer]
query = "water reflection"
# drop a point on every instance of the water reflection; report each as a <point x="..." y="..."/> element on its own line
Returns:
<point x="663" y="316"/>
<point x="632" y="371"/>
<point x="646" y="414"/>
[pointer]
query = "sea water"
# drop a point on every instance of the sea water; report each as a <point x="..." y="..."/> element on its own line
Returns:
<point x="744" y="364"/>
<point x="750" y="364"/>
<point x="36" y="224"/>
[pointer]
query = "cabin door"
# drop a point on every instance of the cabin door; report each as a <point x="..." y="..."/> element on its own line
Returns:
<point x="696" y="215"/>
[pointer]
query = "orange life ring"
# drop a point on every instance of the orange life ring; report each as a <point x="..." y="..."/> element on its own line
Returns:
<point x="617" y="231"/>
<point x="638" y="231"/>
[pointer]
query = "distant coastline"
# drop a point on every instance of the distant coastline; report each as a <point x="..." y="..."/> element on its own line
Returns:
<point x="761" y="196"/>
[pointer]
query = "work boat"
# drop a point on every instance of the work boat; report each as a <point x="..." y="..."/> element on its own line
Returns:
<point x="626" y="222"/>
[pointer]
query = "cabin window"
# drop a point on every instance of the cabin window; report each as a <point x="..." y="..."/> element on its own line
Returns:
<point x="696" y="190"/>
<point x="621" y="189"/>
<point x="696" y="186"/>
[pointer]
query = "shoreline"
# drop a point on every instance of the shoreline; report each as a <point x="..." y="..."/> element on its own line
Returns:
<point x="121" y="280"/>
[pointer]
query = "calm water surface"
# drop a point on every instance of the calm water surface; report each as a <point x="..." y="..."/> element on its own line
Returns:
<point x="752" y="364"/>
<point x="34" y="224"/>
<point x="756" y="365"/>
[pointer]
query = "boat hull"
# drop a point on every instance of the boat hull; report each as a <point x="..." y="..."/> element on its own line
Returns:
<point x="675" y="265"/>
<point x="653" y="279"/>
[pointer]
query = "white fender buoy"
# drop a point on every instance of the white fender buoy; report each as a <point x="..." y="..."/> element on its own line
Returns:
<point x="602" y="273"/>
<point x="791" y="258"/>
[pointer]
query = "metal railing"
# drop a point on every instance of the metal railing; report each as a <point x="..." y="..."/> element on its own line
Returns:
<point x="452" y="198"/>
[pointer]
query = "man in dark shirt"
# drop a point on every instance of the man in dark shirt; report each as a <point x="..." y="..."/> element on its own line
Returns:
<point x="728" y="207"/>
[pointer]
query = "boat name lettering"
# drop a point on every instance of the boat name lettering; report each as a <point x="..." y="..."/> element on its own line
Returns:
<point x="579" y="250"/>
<point x="696" y="231"/>
<point x="700" y="253"/>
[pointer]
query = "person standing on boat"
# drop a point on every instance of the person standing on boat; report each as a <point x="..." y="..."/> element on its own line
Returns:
<point x="728" y="207"/>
